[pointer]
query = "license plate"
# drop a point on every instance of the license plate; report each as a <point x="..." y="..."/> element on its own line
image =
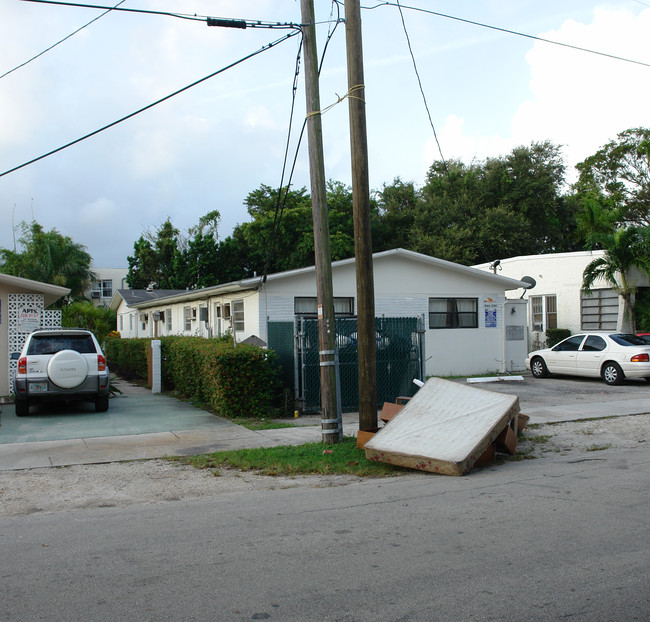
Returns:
<point x="37" y="387"/>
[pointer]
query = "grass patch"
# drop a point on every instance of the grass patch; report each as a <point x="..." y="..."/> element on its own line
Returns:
<point x="307" y="459"/>
<point x="598" y="447"/>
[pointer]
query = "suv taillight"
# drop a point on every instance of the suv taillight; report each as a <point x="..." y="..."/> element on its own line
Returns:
<point x="640" y="358"/>
<point x="22" y="365"/>
<point x="101" y="363"/>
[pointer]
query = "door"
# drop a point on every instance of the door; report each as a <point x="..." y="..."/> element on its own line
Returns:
<point x="562" y="359"/>
<point x="591" y="356"/>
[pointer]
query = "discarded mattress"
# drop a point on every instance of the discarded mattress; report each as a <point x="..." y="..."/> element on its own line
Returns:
<point x="445" y="428"/>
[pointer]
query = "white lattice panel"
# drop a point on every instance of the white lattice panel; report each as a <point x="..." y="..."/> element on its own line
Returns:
<point x="18" y="330"/>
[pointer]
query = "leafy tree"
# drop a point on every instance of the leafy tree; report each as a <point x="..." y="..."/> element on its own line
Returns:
<point x="84" y="314"/>
<point x="50" y="257"/>
<point x="397" y="205"/>
<point x="625" y="249"/>
<point x="156" y="260"/>
<point x="617" y="177"/>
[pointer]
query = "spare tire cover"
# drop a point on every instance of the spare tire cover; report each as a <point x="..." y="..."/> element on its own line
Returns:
<point x="67" y="369"/>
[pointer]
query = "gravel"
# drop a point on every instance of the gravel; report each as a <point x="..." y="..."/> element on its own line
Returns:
<point x="120" y="484"/>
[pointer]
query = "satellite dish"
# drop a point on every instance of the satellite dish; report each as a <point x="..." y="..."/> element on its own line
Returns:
<point x="529" y="280"/>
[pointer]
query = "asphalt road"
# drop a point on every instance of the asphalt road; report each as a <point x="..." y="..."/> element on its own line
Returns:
<point x="566" y="538"/>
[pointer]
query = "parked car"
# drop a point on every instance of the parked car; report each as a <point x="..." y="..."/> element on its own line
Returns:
<point x="612" y="356"/>
<point x="60" y="364"/>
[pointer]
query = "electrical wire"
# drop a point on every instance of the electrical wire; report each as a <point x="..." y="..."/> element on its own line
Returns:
<point x="243" y="23"/>
<point x="510" y="32"/>
<point x="109" y="9"/>
<point x="264" y="48"/>
<point x="417" y="75"/>
<point x="280" y="206"/>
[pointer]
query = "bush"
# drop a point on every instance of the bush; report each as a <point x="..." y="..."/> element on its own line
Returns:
<point x="555" y="335"/>
<point x="128" y="357"/>
<point x="234" y="381"/>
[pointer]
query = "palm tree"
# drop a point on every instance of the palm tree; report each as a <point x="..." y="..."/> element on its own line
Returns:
<point x="625" y="249"/>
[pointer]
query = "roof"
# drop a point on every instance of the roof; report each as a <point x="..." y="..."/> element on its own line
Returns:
<point x="255" y="283"/>
<point x="50" y="292"/>
<point x="134" y="297"/>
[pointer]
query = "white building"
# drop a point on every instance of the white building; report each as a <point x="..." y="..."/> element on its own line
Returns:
<point x="470" y="327"/>
<point x="557" y="300"/>
<point x="108" y="281"/>
<point x="23" y="308"/>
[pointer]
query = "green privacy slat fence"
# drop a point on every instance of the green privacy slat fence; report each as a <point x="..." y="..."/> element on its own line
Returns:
<point x="398" y="360"/>
<point x="281" y="339"/>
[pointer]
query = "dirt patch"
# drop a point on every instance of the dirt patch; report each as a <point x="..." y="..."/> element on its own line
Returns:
<point x="153" y="481"/>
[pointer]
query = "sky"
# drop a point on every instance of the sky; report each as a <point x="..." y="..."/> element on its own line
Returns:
<point x="207" y="148"/>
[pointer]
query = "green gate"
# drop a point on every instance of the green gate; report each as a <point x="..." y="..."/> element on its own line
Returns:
<point x="399" y="360"/>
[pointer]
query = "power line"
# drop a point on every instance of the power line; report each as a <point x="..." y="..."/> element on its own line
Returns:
<point x="510" y="32"/>
<point x="211" y="21"/>
<point x="109" y="9"/>
<point x="163" y="99"/>
<point x="417" y="75"/>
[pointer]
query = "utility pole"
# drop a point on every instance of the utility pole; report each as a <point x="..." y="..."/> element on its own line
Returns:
<point x="331" y="423"/>
<point x="361" y="213"/>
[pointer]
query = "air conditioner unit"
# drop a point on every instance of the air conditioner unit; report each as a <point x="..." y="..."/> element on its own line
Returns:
<point x="95" y="294"/>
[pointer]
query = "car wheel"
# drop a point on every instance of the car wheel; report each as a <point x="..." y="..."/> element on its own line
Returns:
<point x="612" y="374"/>
<point x="22" y="408"/>
<point x="101" y="403"/>
<point x="538" y="367"/>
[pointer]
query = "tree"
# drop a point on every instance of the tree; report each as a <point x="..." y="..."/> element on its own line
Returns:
<point x="84" y="314"/>
<point x="618" y="177"/>
<point x="50" y="257"/>
<point x="624" y="249"/>
<point x="156" y="260"/>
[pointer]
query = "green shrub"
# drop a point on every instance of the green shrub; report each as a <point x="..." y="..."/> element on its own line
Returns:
<point x="234" y="381"/>
<point x="555" y="335"/>
<point x="128" y="357"/>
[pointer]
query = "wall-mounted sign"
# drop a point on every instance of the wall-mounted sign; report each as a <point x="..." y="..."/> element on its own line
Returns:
<point x="29" y="319"/>
<point x="490" y="309"/>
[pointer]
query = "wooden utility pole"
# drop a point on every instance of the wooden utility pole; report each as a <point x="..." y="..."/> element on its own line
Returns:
<point x="332" y="428"/>
<point x="361" y="212"/>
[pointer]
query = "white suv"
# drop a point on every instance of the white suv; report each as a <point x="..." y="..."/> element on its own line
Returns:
<point x="60" y="364"/>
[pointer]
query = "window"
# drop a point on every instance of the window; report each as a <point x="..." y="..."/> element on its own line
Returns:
<point x="121" y="322"/>
<point x="168" y="319"/>
<point x="238" y="315"/>
<point x="453" y="312"/>
<point x="309" y="306"/>
<point x="187" y="316"/>
<point x="594" y="343"/>
<point x="569" y="345"/>
<point x="599" y="311"/>
<point x="107" y="288"/>
<point x="544" y="312"/>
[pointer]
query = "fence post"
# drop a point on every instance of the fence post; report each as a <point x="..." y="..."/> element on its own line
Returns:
<point x="155" y="366"/>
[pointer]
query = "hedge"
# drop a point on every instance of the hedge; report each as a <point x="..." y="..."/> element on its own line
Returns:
<point x="233" y="381"/>
<point x="555" y="335"/>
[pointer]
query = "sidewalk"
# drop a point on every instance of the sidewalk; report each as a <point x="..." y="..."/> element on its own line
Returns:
<point x="209" y="434"/>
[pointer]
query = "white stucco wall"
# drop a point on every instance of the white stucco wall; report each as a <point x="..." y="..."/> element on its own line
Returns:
<point x="558" y="274"/>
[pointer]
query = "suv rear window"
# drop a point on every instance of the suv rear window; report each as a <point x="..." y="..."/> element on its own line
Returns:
<point x="51" y="344"/>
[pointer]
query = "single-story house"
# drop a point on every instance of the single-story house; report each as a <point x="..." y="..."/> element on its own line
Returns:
<point x="22" y="310"/>
<point x="556" y="299"/>
<point x="469" y="326"/>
